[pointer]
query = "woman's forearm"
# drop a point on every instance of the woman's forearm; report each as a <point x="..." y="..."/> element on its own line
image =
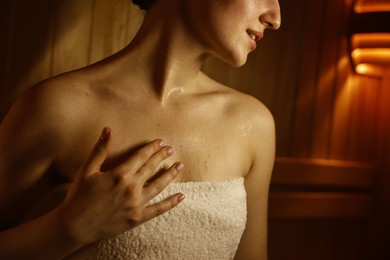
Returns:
<point x="42" y="238"/>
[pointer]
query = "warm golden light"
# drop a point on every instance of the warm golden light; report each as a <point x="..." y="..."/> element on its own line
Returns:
<point x="367" y="40"/>
<point x="369" y="6"/>
<point x="370" y="37"/>
<point x="356" y="53"/>
<point x="370" y="70"/>
<point x="371" y="53"/>
<point x="379" y="56"/>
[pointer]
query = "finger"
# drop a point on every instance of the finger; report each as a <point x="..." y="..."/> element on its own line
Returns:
<point x="150" y="167"/>
<point x="162" y="206"/>
<point x="140" y="157"/>
<point x="162" y="181"/>
<point x="99" y="153"/>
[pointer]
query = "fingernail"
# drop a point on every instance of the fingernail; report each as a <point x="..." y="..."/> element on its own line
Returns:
<point x="179" y="166"/>
<point x="181" y="198"/>
<point x="161" y="143"/>
<point x="104" y="134"/>
<point x="169" y="150"/>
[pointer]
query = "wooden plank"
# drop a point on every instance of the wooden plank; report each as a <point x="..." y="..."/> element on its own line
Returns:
<point x="307" y="77"/>
<point x="343" y="87"/>
<point x="378" y="238"/>
<point x="317" y="239"/>
<point x="29" y="47"/>
<point x="134" y="18"/>
<point x="114" y="23"/>
<point x="32" y="43"/>
<point x="383" y="121"/>
<point x="362" y="119"/>
<point x="342" y="105"/>
<point x="101" y="29"/>
<point x="72" y="35"/>
<point x="292" y="205"/>
<point x="322" y="173"/>
<point x="286" y="87"/>
<point x="369" y="96"/>
<point x="7" y="9"/>
<point x="332" y="33"/>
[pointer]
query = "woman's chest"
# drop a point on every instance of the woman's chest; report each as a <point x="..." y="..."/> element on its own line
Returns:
<point x="209" y="150"/>
<point x="210" y="147"/>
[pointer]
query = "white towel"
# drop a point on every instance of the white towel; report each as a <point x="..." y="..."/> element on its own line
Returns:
<point x="208" y="224"/>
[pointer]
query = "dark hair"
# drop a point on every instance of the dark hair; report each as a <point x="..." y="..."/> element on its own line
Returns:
<point x="143" y="4"/>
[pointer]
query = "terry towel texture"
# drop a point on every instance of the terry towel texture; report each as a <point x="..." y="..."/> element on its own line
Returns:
<point x="208" y="224"/>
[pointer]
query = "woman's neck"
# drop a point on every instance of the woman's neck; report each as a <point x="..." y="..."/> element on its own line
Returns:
<point x="163" y="56"/>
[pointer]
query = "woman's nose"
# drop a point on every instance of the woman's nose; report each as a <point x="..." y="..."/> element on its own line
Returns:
<point x="271" y="18"/>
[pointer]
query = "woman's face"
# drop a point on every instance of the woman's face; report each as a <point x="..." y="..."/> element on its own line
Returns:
<point x="229" y="29"/>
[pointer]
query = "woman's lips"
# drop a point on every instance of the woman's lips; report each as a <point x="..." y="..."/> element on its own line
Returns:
<point x="255" y="36"/>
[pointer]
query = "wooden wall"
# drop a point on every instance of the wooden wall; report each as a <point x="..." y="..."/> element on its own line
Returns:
<point x="330" y="189"/>
<point x="43" y="38"/>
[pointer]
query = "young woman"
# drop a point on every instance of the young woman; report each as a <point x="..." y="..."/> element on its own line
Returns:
<point x="153" y="88"/>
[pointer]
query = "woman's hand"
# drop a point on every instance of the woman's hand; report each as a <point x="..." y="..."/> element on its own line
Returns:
<point x="104" y="204"/>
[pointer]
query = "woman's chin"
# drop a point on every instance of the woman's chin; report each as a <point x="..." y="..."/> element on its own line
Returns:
<point x="235" y="58"/>
<point x="238" y="62"/>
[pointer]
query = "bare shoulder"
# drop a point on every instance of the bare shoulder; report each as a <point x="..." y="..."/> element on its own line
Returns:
<point x="257" y="124"/>
<point x="250" y="127"/>
<point x="59" y="93"/>
<point x="245" y="111"/>
<point x="40" y="118"/>
<point x="49" y="102"/>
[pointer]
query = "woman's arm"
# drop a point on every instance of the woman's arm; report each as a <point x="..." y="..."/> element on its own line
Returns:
<point x="253" y="243"/>
<point x="99" y="205"/>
